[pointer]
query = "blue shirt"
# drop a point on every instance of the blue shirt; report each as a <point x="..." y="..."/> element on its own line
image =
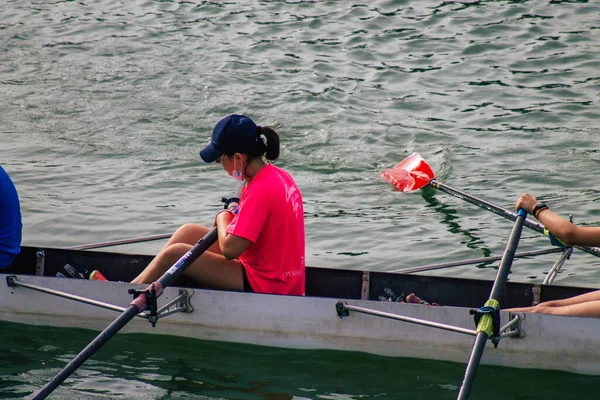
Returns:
<point x="10" y="220"/>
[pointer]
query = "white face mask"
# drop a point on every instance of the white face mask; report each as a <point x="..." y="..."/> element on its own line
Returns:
<point x="237" y="174"/>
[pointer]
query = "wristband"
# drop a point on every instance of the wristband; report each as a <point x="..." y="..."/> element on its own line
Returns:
<point x="538" y="209"/>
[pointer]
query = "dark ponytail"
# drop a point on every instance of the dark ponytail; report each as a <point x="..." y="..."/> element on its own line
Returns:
<point x="271" y="150"/>
<point x="265" y="144"/>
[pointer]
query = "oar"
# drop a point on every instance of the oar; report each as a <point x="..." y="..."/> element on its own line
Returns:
<point x="141" y="239"/>
<point x="120" y="242"/>
<point x="459" y="263"/>
<point x="485" y="324"/>
<point x="413" y="173"/>
<point x="137" y="306"/>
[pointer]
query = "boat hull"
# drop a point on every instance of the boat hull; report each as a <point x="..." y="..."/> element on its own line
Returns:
<point x="549" y="342"/>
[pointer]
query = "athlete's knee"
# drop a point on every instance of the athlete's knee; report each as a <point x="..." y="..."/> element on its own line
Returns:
<point x="186" y="229"/>
<point x="176" y="249"/>
<point x="189" y="233"/>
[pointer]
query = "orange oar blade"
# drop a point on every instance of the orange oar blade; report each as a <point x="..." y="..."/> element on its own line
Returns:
<point x="411" y="174"/>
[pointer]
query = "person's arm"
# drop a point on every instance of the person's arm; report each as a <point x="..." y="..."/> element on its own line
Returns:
<point x="231" y="246"/>
<point x="562" y="228"/>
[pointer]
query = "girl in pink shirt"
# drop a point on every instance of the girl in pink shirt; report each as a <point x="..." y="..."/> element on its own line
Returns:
<point x="260" y="245"/>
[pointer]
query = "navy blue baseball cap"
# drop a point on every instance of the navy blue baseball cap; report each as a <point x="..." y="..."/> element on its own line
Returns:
<point x="233" y="134"/>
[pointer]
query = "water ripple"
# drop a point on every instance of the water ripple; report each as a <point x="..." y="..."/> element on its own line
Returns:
<point x="104" y="106"/>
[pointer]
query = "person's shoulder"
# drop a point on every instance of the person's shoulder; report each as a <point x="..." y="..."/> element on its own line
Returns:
<point x="280" y="172"/>
<point x="3" y="175"/>
<point x="270" y="181"/>
<point x="275" y="176"/>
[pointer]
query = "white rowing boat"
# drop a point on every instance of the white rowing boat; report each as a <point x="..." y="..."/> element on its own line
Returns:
<point x="341" y="311"/>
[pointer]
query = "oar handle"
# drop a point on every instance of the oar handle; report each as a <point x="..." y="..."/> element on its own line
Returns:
<point x="496" y="209"/>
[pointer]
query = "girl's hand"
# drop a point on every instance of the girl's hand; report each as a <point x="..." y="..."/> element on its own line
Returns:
<point x="527" y="202"/>
<point x="219" y="215"/>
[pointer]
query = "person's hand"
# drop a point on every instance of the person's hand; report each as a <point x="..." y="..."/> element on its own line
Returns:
<point x="228" y="214"/>
<point x="527" y="202"/>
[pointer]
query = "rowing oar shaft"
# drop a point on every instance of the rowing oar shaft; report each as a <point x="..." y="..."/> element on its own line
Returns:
<point x="486" y="320"/>
<point x="120" y="242"/>
<point x="86" y="353"/>
<point x="431" y="267"/>
<point x="484" y="204"/>
<point x="498" y="210"/>
<point x="137" y="306"/>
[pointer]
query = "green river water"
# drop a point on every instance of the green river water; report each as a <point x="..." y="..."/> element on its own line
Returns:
<point x="105" y="104"/>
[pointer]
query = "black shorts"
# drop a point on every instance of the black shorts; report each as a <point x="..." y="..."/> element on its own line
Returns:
<point x="247" y="286"/>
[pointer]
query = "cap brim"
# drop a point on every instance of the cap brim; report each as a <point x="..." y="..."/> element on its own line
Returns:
<point x="209" y="154"/>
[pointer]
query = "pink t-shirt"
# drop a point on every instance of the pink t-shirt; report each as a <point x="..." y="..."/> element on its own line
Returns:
<point x="271" y="217"/>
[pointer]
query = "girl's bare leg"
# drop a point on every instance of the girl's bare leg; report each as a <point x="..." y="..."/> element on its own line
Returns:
<point x="584" y="305"/>
<point x="209" y="269"/>
<point x="190" y="234"/>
